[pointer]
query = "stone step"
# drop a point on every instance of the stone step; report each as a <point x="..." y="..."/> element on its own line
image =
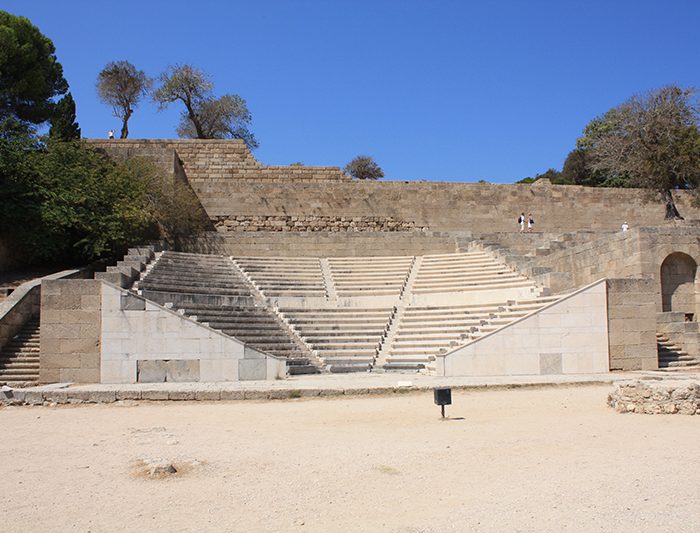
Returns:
<point x="214" y="281"/>
<point x="19" y="364"/>
<point x="350" y="333"/>
<point x="296" y="370"/>
<point x="411" y="358"/>
<point x="326" y="347"/>
<point x="242" y="324"/>
<point x="343" y="367"/>
<point x="184" y="289"/>
<point x="363" y="340"/>
<point x="301" y="293"/>
<point x="349" y="353"/>
<point x="476" y="287"/>
<point x="170" y="278"/>
<point x="19" y="374"/>
<point x="403" y="367"/>
<point x="339" y="323"/>
<point x="681" y="364"/>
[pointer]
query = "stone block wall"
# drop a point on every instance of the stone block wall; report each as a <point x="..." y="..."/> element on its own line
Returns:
<point x="95" y="332"/>
<point x="473" y="207"/>
<point x="230" y="182"/>
<point x="226" y="224"/>
<point x="144" y="342"/>
<point x="324" y="243"/>
<point x="215" y="161"/>
<point x="70" y="331"/>
<point x="632" y="324"/>
<point x="615" y="255"/>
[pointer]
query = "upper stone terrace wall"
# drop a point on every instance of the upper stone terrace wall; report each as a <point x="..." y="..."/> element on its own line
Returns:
<point x="230" y="182"/>
<point x="215" y="161"/>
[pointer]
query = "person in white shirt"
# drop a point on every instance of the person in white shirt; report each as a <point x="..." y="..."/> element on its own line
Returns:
<point x="625" y="227"/>
<point x="110" y="134"/>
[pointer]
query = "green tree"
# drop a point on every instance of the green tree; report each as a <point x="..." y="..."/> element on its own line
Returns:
<point x="63" y="124"/>
<point x="650" y="141"/>
<point x="30" y="74"/>
<point x="551" y="174"/>
<point x="121" y="85"/>
<point x="364" y="167"/>
<point x="204" y="117"/>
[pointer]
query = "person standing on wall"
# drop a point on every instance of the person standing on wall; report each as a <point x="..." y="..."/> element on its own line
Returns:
<point x="530" y="222"/>
<point x="521" y="221"/>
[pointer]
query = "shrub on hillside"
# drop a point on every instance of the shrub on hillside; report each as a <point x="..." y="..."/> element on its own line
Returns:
<point x="65" y="202"/>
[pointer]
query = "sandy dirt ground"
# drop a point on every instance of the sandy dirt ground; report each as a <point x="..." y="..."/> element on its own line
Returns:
<point x="553" y="459"/>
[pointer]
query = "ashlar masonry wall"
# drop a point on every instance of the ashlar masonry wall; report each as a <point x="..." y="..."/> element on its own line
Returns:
<point x="95" y="332"/>
<point x="231" y="184"/>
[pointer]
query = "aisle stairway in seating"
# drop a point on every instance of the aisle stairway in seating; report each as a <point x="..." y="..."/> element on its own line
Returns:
<point x="421" y="332"/>
<point x="211" y="290"/>
<point x="19" y="360"/>
<point x="284" y="276"/>
<point x="369" y="276"/>
<point x="345" y="339"/>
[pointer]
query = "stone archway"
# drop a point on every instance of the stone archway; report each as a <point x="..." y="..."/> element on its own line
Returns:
<point x="678" y="273"/>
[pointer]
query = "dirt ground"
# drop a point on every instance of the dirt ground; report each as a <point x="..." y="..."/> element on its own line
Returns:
<point x="554" y="459"/>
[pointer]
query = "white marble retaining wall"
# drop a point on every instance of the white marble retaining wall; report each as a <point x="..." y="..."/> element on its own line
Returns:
<point x="135" y="329"/>
<point x="569" y="336"/>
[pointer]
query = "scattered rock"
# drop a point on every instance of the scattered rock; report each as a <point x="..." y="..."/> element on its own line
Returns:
<point x="669" y="396"/>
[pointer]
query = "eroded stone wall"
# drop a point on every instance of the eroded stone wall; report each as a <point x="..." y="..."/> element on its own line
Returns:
<point x="681" y="396"/>
<point x="226" y="224"/>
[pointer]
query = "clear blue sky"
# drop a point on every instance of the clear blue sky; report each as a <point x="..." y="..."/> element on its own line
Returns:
<point x="441" y="90"/>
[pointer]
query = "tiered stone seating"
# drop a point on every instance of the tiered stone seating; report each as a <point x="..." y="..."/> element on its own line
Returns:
<point x="422" y="332"/>
<point x="369" y="276"/>
<point x="19" y="360"/>
<point x="346" y="339"/>
<point x="258" y="327"/>
<point x="284" y="276"/>
<point x="210" y="289"/>
<point x="181" y="277"/>
<point x="340" y="312"/>
<point x="470" y="271"/>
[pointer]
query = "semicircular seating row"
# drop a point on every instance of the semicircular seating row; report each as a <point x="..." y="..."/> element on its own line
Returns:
<point x="347" y="314"/>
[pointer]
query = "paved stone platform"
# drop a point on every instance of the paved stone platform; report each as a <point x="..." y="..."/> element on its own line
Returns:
<point x="306" y="386"/>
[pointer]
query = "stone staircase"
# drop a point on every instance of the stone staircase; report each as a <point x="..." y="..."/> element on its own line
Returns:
<point x="19" y="360"/>
<point x="344" y="339"/>
<point x="284" y="276"/>
<point x="211" y="290"/>
<point x="369" y="276"/>
<point x="673" y="357"/>
<point x="678" y="342"/>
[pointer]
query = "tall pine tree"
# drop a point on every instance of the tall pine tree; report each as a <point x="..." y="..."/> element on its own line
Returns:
<point x="63" y="124"/>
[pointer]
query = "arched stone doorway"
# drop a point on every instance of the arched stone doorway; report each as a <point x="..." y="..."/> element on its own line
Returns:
<point x="678" y="273"/>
